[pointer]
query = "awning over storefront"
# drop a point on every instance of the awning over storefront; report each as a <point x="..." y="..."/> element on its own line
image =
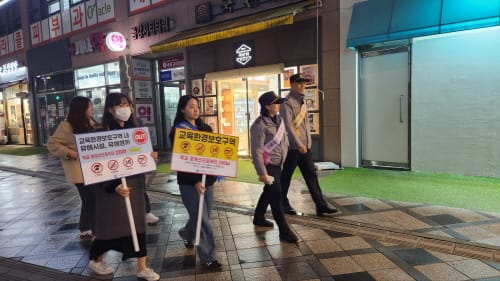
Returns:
<point x="236" y="27"/>
<point x="375" y="21"/>
<point x="246" y="72"/>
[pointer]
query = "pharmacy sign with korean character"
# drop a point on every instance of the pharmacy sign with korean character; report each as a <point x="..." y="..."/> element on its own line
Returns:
<point x="114" y="154"/>
<point x="204" y="153"/>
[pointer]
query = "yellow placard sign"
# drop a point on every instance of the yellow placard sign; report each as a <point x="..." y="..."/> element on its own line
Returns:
<point x="205" y="144"/>
<point x="205" y="153"/>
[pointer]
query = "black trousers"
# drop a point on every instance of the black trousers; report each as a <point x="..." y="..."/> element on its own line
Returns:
<point x="306" y="166"/>
<point x="271" y="195"/>
<point x="147" y="202"/>
<point x="87" y="212"/>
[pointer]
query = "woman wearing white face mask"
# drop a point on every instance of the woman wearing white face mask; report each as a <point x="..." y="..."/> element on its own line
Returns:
<point x="112" y="229"/>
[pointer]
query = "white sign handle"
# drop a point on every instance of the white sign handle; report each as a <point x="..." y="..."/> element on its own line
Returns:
<point x="200" y="212"/>
<point x="131" y="218"/>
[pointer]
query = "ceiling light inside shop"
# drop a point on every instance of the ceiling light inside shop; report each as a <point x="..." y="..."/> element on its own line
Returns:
<point x="2" y="2"/>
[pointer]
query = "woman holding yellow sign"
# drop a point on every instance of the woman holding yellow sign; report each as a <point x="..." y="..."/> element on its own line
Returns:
<point x="191" y="187"/>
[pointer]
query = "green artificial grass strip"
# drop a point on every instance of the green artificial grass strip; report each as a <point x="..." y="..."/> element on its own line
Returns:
<point x="475" y="193"/>
<point x="163" y="168"/>
<point x="246" y="172"/>
<point x="22" y="150"/>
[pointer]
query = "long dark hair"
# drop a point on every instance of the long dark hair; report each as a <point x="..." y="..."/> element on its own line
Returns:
<point x="108" y="121"/>
<point x="77" y="115"/>
<point x="179" y="116"/>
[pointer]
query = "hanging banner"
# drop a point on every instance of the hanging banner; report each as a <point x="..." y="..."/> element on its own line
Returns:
<point x="205" y="153"/>
<point x="114" y="154"/>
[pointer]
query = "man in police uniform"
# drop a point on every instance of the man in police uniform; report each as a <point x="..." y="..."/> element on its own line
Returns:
<point x="294" y="113"/>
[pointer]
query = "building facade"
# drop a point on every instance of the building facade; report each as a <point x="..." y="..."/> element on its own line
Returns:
<point x="225" y="52"/>
<point x="419" y="86"/>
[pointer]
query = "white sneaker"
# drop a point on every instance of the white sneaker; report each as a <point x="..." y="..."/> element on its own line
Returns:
<point x="86" y="234"/>
<point x="151" y="218"/>
<point x="100" y="267"/>
<point x="148" y="274"/>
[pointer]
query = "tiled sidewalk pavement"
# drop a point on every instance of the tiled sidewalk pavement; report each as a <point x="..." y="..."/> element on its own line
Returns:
<point x="443" y="223"/>
<point x="38" y="224"/>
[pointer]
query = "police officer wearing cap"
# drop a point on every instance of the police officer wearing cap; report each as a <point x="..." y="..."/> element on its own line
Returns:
<point x="269" y="146"/>
<point x="294" y="114"/>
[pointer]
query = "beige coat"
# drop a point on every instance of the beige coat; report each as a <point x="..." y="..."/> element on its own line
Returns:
<point x="59" y="145"/>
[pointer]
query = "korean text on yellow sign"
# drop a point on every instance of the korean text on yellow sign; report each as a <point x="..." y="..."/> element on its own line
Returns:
<point x="206" y="144"/>
<point x="204" y="153"/>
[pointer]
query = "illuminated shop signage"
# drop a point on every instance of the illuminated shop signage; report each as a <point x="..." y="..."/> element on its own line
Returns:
<point x="152" y="28"/>
<point x="19" y="73"/>
<point x="171" y="62"/>
<point x="9" y="67"/>
<point x="94" y="43"/>
<point x="171" y="69"/>
<point x="244" y="54"/>
<point x="116" y="42"/>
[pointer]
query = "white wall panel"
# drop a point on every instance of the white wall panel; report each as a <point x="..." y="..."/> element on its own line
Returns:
<point x="456" y="103"/>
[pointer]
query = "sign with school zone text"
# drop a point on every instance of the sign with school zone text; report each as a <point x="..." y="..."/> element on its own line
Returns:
<point x="114" y="154"/>
<point x="204" y="153"/>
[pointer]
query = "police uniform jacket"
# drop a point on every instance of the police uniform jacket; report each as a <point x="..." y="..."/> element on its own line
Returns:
<point x="289" y="111"/>
<point x="262" y="131"/>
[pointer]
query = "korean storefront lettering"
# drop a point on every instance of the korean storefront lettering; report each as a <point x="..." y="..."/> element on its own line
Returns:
<point x="93" y="43"/>
<point x="151" y="28"/>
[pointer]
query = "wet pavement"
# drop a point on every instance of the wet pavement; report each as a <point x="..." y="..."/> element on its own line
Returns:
<point x="369" y="239"/>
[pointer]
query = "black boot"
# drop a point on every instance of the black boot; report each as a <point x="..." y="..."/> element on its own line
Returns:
<point x="262" y="222"/>
<point x="321" y="211"/>
<point x="289" y="236"/>
<point x="288" y="209"/>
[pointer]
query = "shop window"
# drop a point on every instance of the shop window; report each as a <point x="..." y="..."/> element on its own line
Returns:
<point x="112" y="73"/>
<point x="54" y="7"/>
<point x="38" y="10"/>
<point x="90" y="77"/>
<point x="97" y="96"/>
<point x="3" y="22"/>
<point x="54" y="82"/>
<point x="53" y="108"/>
<point x="10" y="18"/>
<point x="95" y="82"/>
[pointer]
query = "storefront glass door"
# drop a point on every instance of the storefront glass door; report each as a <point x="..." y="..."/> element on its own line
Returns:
<point x="238" y="98"/>
<point x="171" y="94"/>
<point x="28" y="130"/>
<point x="53" y="110"/>
<point x="384" y="114"/>
<point x="15" y="125"/>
